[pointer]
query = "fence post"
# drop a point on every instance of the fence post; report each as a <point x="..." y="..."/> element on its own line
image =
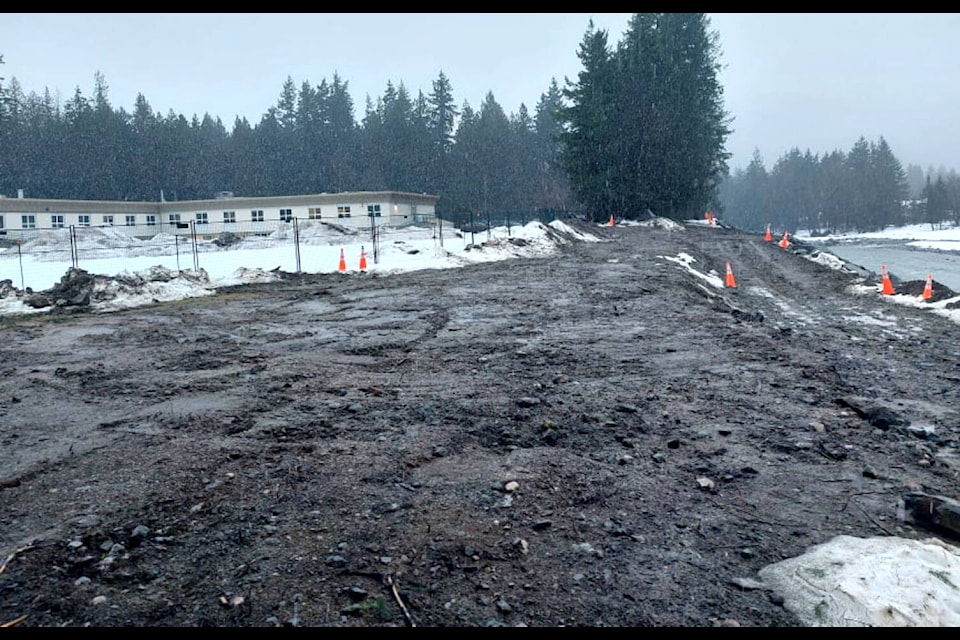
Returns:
<point x="176" y="243"/>
<point x="20" y="257"/>
<point x="74" y="250"/>
<point x="193" y="234"/>
<point x="296" y="241"/>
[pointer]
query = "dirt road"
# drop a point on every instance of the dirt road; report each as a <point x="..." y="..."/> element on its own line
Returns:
<point x="594" y="438"/>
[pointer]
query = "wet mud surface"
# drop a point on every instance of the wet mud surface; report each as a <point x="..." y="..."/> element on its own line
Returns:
<point x="594" y="438"/>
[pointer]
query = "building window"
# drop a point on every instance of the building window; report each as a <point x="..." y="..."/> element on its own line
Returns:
<point x="313" y="213"/>
<point x="83" y="221"/>
<point x="1" y="222"/>
<point x="108" y="220"/>
<point x="56" y="221"/>
<point x="29" y="222"/>
<point x="230" y="217"/>
<point x="256" y="215"/>
<point x="286" y="215"/>
<point x="151" y="221"/>
<point x="373" y="210"/>
<point x="345" y="209"/>
<point x="201" y="217"/>
<point x="130" y="221"/>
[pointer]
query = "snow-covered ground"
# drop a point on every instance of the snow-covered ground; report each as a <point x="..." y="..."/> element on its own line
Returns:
<point x="945" y="237"/>
<point x="162" y="268"/>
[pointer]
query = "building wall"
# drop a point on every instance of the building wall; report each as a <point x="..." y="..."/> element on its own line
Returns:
<point x="21" y="216"/>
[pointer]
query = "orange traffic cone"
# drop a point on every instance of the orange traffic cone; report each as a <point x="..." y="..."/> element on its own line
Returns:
<point x="730" y="281"/>
<point x="343" y="263"/>
<point x="783" y="241"/>
<point x="767" y="235"/>
<point x="887" y="285"/>
<point x="928" y="288"/>
<point x="363" y="259"/>
<point x="611" y="223"/>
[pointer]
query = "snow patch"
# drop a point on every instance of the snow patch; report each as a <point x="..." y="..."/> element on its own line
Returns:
<point x="871" y="582"/>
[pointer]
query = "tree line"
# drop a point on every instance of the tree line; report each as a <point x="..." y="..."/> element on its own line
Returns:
<point x="308" y="142"/>
<point x="864" y="189"/>
<point x="640" y="130"/>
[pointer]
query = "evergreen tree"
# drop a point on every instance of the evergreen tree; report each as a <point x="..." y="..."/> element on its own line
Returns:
<point x="834" y="193"/>
<point x="888" y="186"/>
<point x="6" y="136"/>
<point x="935" y="195"/>
<point x="858" y="163"/>
<point x="588" y="129"/>
<point x="550" y="186"/>
<point x="441" y="119"/>
<point x="915" y="180"/>
<point x="340" y="138"/>
<point x="793" y="190"/>
<point x="646" y="124"/>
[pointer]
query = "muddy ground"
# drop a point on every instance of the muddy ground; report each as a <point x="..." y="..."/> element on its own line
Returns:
<point x="595" y="438"/>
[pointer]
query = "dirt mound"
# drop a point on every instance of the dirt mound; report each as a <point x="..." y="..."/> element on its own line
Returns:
<point x="915" y="288"/>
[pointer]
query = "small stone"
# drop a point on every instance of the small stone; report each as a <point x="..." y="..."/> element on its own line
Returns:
<point x="503" y="606"/>
<point x="99" y="600"/>
<point x="706" y="484"/>
<point x="335" y="561"/>
<point x="511" y="486"/>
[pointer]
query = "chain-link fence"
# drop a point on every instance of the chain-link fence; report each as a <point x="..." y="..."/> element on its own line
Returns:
<point x="38" y="257"/>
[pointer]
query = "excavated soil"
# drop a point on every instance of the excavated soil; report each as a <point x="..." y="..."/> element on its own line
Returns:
<point x="594" y="438"/>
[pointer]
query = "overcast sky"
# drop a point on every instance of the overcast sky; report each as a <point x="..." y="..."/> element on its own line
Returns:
<point x="811" y="81"/>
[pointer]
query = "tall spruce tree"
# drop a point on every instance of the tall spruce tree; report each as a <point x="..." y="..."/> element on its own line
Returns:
<point x="646" y="125"/>
<point x="888" y="187"/>
<point x="589" y="127"/>
<point x="551" y="187"/>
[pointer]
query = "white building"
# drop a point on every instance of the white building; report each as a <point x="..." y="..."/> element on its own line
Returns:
<point x="20" y="217"/>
